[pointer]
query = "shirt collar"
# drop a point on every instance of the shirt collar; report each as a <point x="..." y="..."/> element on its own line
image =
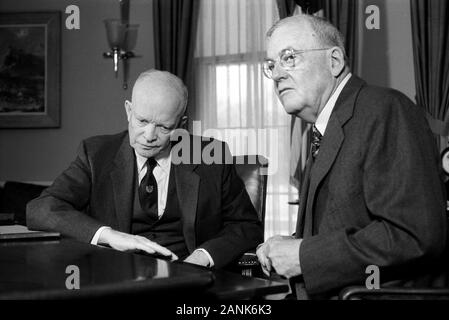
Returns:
<point x="325" y="114"/>
<point x="163" y="160"/>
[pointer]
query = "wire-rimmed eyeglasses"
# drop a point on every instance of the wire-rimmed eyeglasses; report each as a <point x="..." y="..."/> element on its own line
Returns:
<point x="288" y="60"/>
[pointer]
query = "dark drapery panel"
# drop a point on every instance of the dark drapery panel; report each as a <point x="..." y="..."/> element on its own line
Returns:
<point x="343" y="14"/>
<point x="430" y="35"/>
<point x="175" y="25"/>
<point x="286" y="8"/>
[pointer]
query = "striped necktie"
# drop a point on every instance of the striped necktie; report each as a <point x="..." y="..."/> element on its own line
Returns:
<point x="316" y="140"/>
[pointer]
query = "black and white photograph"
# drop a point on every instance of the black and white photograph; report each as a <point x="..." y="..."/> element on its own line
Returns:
<point x="224" y="158"/>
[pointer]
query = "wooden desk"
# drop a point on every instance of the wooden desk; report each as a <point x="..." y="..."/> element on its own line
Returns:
<point x="37" y="270"/>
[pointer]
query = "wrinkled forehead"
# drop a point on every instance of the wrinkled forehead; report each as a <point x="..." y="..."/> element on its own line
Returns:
<point x="150" y="86"/>
<point x="156" y="99"/>
<point x="298" y="36"/>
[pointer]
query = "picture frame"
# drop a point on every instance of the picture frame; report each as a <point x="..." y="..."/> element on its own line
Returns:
<point x="30" y="48"/>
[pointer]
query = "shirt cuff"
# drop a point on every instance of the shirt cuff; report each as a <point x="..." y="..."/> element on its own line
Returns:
<point x="211" y="261"/>
<point x="97" y="234"/>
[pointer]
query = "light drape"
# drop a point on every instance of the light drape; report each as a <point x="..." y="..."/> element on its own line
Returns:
<point x="236" y="103"/>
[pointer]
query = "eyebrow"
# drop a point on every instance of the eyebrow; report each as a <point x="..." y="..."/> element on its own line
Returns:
<point x="288" y="48"/>
<point x="138" y="116"/>
<point x="167" y="125"/>
<point x="280" y="52"/>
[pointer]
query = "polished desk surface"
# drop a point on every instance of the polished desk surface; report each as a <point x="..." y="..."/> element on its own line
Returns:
<point x="37" y="269"/>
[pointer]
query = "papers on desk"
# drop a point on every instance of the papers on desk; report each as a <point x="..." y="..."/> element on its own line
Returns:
<point x="18" y="232"/>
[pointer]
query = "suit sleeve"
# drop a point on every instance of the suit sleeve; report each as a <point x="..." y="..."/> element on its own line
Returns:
<point x="403" y="194"/>
<point x="242" y="230"/>
<point x="62" y="206"/>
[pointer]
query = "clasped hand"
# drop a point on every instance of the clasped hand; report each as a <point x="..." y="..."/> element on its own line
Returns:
<point x="281" y="255"/>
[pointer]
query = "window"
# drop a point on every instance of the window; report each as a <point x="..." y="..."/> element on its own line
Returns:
<point x="236" y="103"/>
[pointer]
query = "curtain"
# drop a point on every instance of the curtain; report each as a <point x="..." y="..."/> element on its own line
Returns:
<point x="175" y="25"/>
<point x="235" y="102"/>
<point x="286" y="8"/>
<point x="430" y="35"/>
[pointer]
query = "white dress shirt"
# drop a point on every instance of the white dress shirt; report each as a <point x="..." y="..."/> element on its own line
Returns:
<point x="325" y="114"/>
<point x="162" y="175"/>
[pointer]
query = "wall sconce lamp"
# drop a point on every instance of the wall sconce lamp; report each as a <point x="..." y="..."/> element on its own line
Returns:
<point x="122" y="38"/>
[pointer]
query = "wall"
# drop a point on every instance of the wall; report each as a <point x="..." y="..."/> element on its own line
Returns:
<point x="91" y="97"/>
<point x="387" y="53"/>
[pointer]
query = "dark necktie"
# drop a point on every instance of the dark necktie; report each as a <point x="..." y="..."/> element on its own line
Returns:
<point x="316" y="140"/>
<point x="148" y="190"/>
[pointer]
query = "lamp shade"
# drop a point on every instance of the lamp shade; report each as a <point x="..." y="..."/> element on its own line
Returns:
<point x="116" y="32"/>
<point x="131" y="37"/>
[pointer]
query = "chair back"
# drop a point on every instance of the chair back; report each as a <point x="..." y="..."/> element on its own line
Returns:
<point x="252" y="169"/>
<point x="16" y="195"/>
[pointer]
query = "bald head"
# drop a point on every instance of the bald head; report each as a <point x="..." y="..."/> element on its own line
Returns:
<point x="157" y="108"/>
<point x="153" y="84"/>
<point x="323" y="33"/>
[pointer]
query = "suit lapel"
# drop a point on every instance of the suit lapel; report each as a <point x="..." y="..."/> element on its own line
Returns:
<point x="328" y="152"/>
<point x="122" y="176"/>
<point x="187" y="189"/>
<point x="331" y="144"/>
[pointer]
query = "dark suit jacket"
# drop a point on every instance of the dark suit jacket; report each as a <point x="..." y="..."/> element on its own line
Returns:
<point x="375" y="195"/>
<point x="97" y="190"/>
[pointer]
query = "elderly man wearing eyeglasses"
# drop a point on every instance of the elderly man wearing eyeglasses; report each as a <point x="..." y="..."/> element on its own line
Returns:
<point x="372" y="193"/>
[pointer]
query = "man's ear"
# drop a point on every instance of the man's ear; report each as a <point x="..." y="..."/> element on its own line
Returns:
<point x="182" y="122"/>
<point x="337" y="61"/>
<point x="128" y="106"/>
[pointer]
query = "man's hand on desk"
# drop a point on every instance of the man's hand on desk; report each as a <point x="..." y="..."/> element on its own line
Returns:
<point x="127" y="242"/>
<point x="280" y="254"/>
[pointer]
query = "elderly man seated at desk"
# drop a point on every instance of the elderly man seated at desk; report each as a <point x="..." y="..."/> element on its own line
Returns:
<point x="124" y="191"/>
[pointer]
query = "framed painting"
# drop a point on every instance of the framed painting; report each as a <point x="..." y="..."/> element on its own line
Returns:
<point x="30" y="70"/>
